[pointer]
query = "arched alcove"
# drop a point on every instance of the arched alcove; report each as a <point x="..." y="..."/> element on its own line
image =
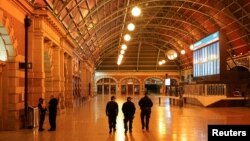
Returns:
<point x="153" y="85"/>
<point x="8" y="54"/>
<point x="106" y="86"/>
<point x="3" y="52"/>
<point x="130" y="86"/>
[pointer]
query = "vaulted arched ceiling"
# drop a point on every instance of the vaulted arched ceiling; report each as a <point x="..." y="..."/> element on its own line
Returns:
<point x="98" y="27"/>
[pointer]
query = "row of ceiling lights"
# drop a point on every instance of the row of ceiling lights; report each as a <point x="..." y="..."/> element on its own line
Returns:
<point x="136" y="11"/>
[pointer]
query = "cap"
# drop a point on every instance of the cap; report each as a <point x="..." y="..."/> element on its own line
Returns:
<point x="113" y="97"/>
<point x="129" y="98"/>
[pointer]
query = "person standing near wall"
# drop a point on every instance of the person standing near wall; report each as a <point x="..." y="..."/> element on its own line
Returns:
<point x="42" y="112"/>
<point x="145" y="104"/>
<point x="52" y="112"/>
<point x="112" y="112"/>
<point x="128" y="109"/>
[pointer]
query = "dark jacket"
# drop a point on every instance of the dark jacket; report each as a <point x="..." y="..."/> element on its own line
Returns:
<point x="53" y="106"/>
<point x="128" y="109"/>
<point x="112" y="108"/>
<point x="42" y="110"/>
<point x="145" y="103"/>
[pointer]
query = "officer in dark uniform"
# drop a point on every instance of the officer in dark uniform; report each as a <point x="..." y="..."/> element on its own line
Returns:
<point x="145" y="104"/>
<point x="53" y="112"/>
<point x="112" y="112"/>
<point x="128" y="109"/>
<point x="42" y="112"/>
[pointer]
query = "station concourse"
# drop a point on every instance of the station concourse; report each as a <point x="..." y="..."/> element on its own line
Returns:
<point x="88" y="122"/>
<point x="191" y="56"/>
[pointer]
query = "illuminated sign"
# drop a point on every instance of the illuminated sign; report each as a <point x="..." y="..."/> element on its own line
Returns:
<point x="206" y="56"/>
<point x="207" y="40"/>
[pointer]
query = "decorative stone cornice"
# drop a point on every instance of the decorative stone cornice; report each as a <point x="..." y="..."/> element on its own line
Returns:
<point x="23" y="5"/>
<point x="56" y="25"/>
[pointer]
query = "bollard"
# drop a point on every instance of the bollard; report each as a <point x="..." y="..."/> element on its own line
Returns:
<point x="159" y="100"/>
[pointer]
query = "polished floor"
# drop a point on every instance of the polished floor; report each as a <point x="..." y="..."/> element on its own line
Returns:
<point x="88" y="122"/>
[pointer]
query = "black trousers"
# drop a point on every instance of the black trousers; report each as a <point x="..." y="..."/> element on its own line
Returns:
<point x="112" y="122"/>
<point x="52" y="121"/>
<point x="128" y="122"/>
<point x="145" y="115"/>
<point x="41" y="120"/>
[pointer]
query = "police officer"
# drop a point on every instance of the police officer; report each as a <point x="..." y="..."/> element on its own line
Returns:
<point x="112" y="112"/>
<point x="42" y="111"/>
<point x="52" y="112"/>
<point x="145" y="104"/>
<point x="128" y="109"/>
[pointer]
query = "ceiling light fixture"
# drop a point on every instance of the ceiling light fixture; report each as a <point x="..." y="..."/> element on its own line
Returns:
<point x="127" y="37"/>
<point x="124" y="47"/>
<point x="131" y="27"/>
<point x="136" y="11"/>
<point x="171" y="54"/>
<point x="122" y="52"/>
<point x="183" y="52"/>
<point x="191" y="47"/>
<point x="119" y="61"/>
<point x="162" y="62"/>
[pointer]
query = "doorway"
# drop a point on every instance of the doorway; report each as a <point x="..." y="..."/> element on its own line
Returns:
<point x="154" y="85"/>
<point x="130" y="86"/>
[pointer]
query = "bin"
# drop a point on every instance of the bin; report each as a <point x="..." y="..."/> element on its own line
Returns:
<point x="33" y="116"/>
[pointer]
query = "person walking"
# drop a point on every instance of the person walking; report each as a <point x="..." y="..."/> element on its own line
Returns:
<point x="52" y="112"/>
<point x="42" y="112"/>
<point x="145" y="104"/>
<point x="128" y="109"/>
<point x="112" y="112"/>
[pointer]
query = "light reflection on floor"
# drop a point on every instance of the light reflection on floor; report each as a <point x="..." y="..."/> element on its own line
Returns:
<point x="88" y="122"/>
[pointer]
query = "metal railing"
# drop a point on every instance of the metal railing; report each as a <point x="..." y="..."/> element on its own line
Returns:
<point x="205" y="89"/>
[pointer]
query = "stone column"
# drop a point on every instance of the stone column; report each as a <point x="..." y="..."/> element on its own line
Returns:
<point x="62" y="67"/>
<point x="142" y="89"/>
<point x="62" y="84"/>
<point x="119" y="87"/>
<point x="48" y="70"/>
<point x="91" y="80"/>
<point x="56" y="73"/>
<point x="36" y="75"/>
<point x="8" y="121"/>
<point x="84" y="77"/>
<point x="93" y="85"/>
<point x="1" y="92"/>
<point x="69" y="82"/>
<point x="66" y="73"/>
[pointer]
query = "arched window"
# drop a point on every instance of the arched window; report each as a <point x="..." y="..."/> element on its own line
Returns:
<point x="130" y="86"/>
<point x="106" y="86"/>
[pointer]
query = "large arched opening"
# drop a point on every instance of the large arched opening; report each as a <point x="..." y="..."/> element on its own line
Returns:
<point x="7" y="59"/>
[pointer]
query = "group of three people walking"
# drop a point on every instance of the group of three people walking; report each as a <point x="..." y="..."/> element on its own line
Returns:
<point x="128" y="109"/>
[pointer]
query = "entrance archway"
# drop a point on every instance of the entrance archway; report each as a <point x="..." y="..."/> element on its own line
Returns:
<point x="106" y="86"/>
<point x="130" y="86"/>
<point x="8" y="45"/>
<point x="153" y="85"/>
<point x="3" y="58"/>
